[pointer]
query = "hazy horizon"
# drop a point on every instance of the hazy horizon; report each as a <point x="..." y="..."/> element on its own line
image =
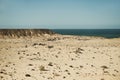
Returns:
<point x="59" y="27"/>
<point x="60" y="14"/>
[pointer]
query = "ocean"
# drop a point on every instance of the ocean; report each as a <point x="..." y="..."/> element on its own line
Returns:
<point x="107" y="33"/>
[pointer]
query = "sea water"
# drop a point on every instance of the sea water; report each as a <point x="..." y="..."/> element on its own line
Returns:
<point x="107" y="33"/>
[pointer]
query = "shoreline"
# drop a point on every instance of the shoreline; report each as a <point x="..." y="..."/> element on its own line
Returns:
<point x="106" y="33"/>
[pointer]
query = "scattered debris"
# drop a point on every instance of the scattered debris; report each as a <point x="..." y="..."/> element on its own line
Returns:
<point x="50" y="39"/>
<point x="35" y="44"/>
<point x="42" y="68"/>
<point x="56" y="74"/>
<point x="79" y="50"/>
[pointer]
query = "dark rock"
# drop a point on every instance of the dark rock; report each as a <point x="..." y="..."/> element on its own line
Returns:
<point x="30" y="64"/>
<point x="81" y="66"/>
<point x="50" y="47"/>
<point x="102" y="79"/>
<point x="42" y="44"/>
<point x="71" y="66"/>
<point x="28" y="75"/>
<point x="50" y="64"/>
<point x="64" y="77"/>
<point x="104" y="67"/>
<point x="35" y="44"/>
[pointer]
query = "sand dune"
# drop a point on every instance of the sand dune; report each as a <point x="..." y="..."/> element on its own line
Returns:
<point x="60" y="57"/>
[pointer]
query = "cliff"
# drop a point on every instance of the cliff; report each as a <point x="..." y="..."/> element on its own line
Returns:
<point x="24" y="32"/>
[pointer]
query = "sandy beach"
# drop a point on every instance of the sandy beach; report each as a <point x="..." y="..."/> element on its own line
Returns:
<point x="59" y="39"/>
<point x="60" y="57"/>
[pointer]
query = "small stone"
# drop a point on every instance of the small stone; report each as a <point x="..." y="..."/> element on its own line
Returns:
<point x="50" y="47"/>
<point x="68" y="73"/>
<point x="64" y="77"/>
<point x="28" y="75"/>
<point x="102" y="79"/>
<point x="50" y="64"/>
<point x="104" y="67"/>
<point x="81" y="66"/>
<point x="30" y="64"/>
<point x="71" y="66"/>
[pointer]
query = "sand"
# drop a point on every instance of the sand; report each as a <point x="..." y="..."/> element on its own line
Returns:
<point x="60" y="57"/>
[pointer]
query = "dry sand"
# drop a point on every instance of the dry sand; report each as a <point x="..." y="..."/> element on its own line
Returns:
<point x="60" y="58"/>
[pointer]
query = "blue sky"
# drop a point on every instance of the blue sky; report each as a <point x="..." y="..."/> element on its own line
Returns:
<point x="60" y="14"/>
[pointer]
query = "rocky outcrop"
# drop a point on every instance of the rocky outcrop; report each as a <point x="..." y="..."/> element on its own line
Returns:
<point x="24" y="32"/>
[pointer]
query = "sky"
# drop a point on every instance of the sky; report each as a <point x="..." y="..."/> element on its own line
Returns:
<point x="58" y="14"/>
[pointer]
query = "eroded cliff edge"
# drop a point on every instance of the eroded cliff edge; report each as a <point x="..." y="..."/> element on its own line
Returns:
<point x="17" y="33"/>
